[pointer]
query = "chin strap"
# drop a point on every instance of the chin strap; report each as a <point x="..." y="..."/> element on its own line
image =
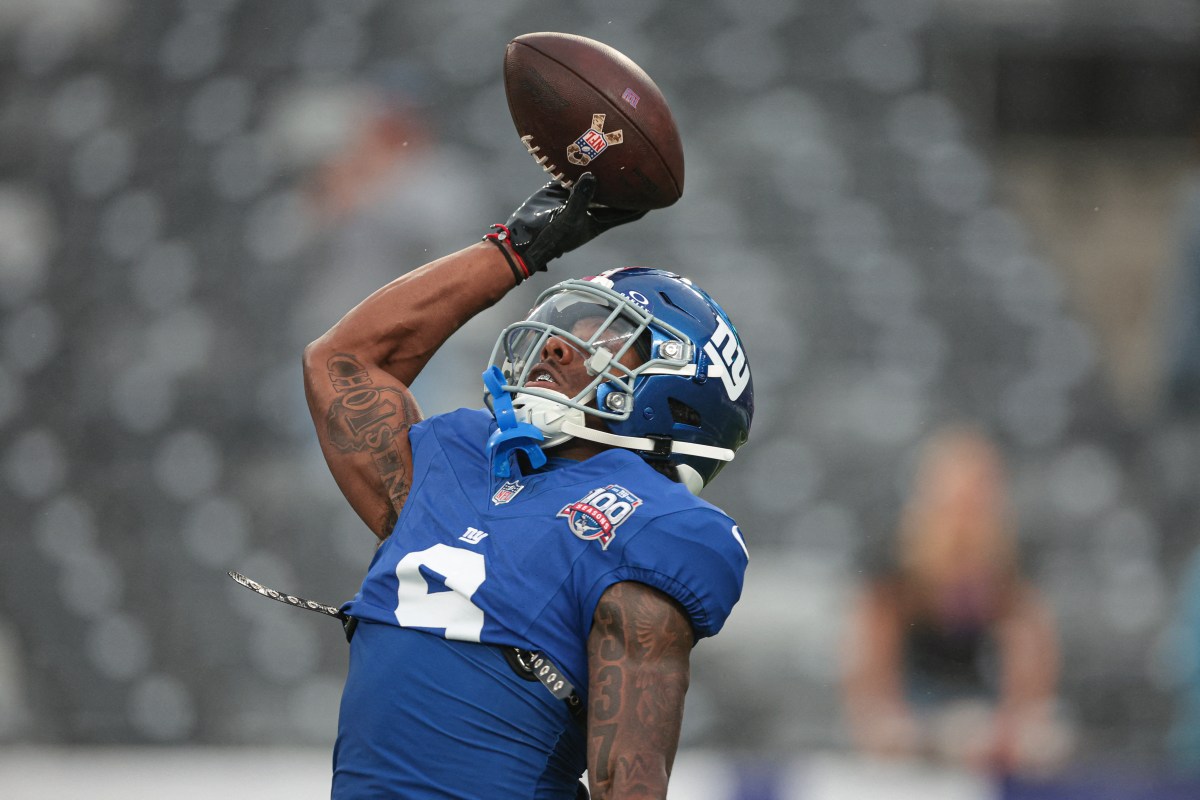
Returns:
<point x="559" y="422"/>
<point x="512" y="436"/>
<point x="667" y="447"/>
<point x="535" y="422"/>
<point x="688" y="476"/>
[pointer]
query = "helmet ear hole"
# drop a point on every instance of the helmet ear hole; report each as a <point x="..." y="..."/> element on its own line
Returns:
<point x="682" y="413"/>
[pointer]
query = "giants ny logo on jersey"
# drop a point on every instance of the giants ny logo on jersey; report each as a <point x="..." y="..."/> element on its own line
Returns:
<point x="600" y="512"/>
<point x="728" y="360"/>
<point x="473" y="536"/>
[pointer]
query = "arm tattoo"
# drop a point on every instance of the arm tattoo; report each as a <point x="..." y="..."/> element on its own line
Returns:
<point x="364" y="418"/>
<point x="638" y="656"/>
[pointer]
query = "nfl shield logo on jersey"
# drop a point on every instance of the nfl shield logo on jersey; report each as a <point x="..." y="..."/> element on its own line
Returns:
<point x="600" y="512"/>
<point x="507" y="492"/>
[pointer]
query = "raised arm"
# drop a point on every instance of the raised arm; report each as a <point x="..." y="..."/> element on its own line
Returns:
<point x="638" y="674"/>
<point x="356" y="376"/>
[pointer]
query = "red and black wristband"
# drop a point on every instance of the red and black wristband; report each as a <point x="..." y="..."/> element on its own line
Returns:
<point x="500" y="236"/>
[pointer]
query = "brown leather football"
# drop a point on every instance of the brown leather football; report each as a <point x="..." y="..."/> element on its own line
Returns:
<point x="581" y="106"/>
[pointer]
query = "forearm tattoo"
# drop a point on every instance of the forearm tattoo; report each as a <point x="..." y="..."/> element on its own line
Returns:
<point x="364" y="418"/>
<point x="638" y="657"/>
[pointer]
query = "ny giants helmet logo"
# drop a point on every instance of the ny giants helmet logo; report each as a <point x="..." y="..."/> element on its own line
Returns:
<point x="728" y="360"/>
<point x="600" y="512"/>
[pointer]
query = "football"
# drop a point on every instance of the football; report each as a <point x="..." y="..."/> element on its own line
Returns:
<point x="581" y="106"/>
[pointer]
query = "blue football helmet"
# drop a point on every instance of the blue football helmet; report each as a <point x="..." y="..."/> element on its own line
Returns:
<point x="688" y="403"/>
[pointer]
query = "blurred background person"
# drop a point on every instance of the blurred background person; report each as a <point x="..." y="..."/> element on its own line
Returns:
<point x="952" y="655"/>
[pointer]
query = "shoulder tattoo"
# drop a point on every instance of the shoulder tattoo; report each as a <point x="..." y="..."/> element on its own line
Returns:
<point x="364" y="418"/>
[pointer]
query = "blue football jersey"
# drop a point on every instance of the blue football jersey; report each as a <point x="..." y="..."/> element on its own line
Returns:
<point x="522" y="561"/>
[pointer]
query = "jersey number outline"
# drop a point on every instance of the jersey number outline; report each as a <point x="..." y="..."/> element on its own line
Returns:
<point x="464" y="572"/>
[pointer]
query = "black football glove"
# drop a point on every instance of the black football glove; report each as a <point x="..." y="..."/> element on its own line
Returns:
<point x="555" y="220"/>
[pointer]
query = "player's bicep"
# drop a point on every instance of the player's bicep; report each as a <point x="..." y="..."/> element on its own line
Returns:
<point x="638" y="673"/>
<point x="362" y="417"/>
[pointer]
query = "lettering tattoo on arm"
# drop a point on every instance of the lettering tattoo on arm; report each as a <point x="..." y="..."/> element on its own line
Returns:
<point x="365" y="418"/>
<point x="638" y="659"/>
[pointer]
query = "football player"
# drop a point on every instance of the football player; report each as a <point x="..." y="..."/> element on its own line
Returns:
<point x="545" y="565"/>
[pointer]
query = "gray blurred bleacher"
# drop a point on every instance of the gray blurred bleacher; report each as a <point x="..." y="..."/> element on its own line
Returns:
<point x="168" y="244"/>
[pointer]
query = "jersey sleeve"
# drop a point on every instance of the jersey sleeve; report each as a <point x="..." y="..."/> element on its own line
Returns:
<point x="697" y="557"/>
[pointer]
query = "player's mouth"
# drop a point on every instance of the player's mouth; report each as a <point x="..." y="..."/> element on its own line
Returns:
<point x="541" y="378"/>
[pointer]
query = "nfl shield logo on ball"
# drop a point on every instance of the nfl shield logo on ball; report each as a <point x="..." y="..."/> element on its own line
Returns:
<point x="592" y="143"/>
<point x="600" y="512"/>
<point x="507" y="492"/>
